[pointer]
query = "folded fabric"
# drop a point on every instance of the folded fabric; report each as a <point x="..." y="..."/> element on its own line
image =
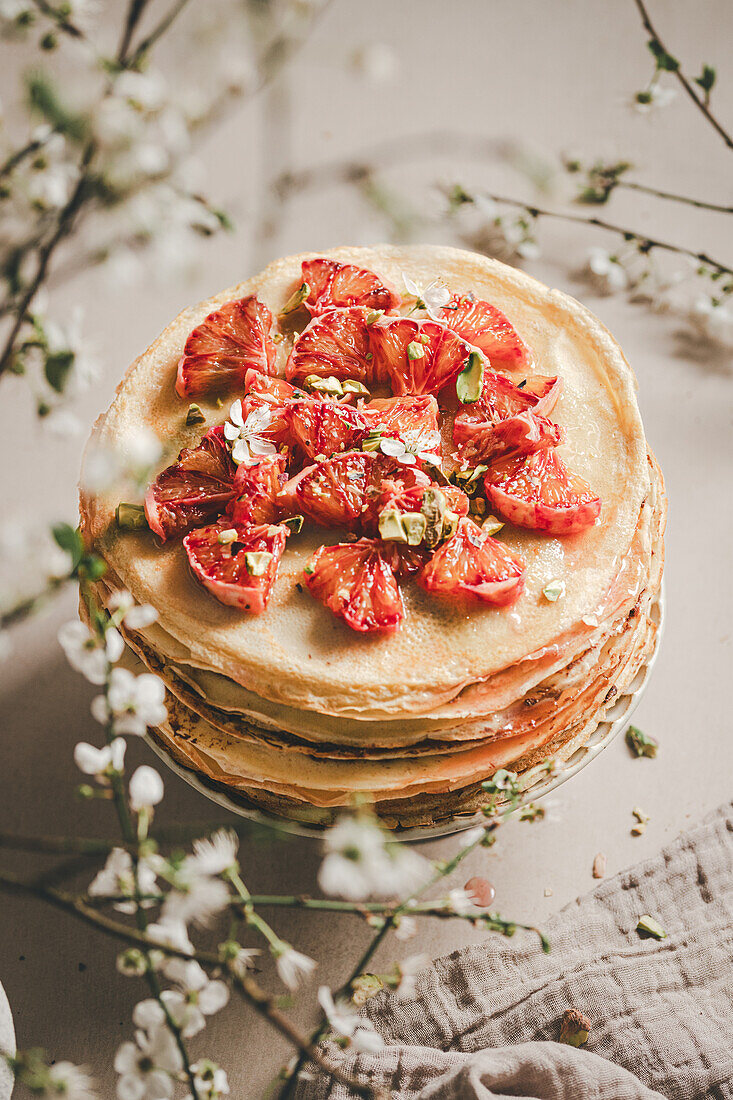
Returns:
<point x="482" y="1020"/>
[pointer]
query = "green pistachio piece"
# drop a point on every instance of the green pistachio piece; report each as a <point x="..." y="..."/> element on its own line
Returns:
<point x="554" y="590"/>
<point x="257" y="562"/>
<point x="296" y="300"/>
<point x="491" y="525"/>
<point x="415" y="350"/>
<point x="294" y="523"/>
<point x="434" y="509"/>
<point x="352" y="385"/>
<point x="651" y="927"/>
<point x="309" y="570"/>
<point x="372" y="441"/>
<point x="194" y="416"/>
<point x="390" y="526"/>
<point x="575" y="1028"/>
<point x="130" y="517"/>
<point x="640" y="743"/>
<point x="415" y="525"/>
<point x="450" y="524"/>
<point x="374" y="315"/>
<point x="328" y="385"/>
<point x="227" y="537"/>
<point x="471" y="379"/>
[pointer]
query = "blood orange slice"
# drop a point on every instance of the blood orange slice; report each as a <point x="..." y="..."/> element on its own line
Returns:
<point x="256" y="488"/>
<point x="471" y="563"/>
<point x="485" y="327"/>
<point x="270" y="388"/>
<point x="518" y="435"/>
<point x="335" y="286"/>
<point x="194" y="490"/>
<point x="323" y="428"/>
<point x="336" y="343"/>
<point x="540" y="492"/>
<point x="356" y="582"/>
<point x="236" y="562"/>
<point x="418" y="357"/>
<point x="333" y="492"/>
<point x="225" y="345"/>
<point x="414" y="420"/>
<point x="505" y="420"/>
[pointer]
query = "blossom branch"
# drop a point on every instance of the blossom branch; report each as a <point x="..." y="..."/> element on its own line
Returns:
<point x="700" y="102"/>
<point x="656" y="192"/>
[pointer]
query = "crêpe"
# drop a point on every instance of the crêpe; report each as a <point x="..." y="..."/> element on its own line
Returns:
<point x="295" y="685"/>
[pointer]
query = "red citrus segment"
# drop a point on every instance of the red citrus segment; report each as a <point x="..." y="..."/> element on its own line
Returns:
<point x="485" y="327"/>
<point x="471" y="563"/>
<point x="239" y="573"/>
<point x="224" y="346"/>
<point x="256" y="488"/>
<point x="323" y="428"/>
<point x="540" y="492"/>
<point x="269" y="387"/>
<point x="392" y="485"/>
<point x="336" y="343"/>
<point x="333" y="492"/>
<point x="400" y="414"/>
<point x="518" y="435"/>
<point x="418" y="357"/>
<point x="337" y="286"/>
<point x="356" y="582"/>
<point x="194" y="490"/>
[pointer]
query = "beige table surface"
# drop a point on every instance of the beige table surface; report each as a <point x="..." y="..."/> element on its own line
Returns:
<point x="558" y="75"/>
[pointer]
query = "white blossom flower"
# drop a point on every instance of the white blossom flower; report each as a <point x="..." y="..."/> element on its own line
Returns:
<point x="346" y="1022"/>
<point x="170" y="933"/>
<point x="605" y="271"/>
<point x="146" y="789"/>
<point x="713" y="320"/>
<point x="216" y="854"/>
<point x="362" y="862"/>
<point x="462" y="903"/>
<point x="472" y="836"/>
<point x="134" y="616"/>
<point x="131" y="962"/>
<point x="118" y="877"/>
<point x="406" y="928"/>
<point x="86" y="654"/>
<point x="248" y="443"/>
<point x="147" y="1065"/>
<point x="71" y="1082"/>
<point x="196" y="898"/>
<point x="211" y="1080"/>
<point x="292" y="966"/>
<point x="13" y="17"/>
<point x="195" y="997"/>
<point x="431" y="298"/>
<point x="244" y="960"/>
<point x="411" y="444"/>
<point x="508" y="238"/>
<point x="653" y="98"/>
<point x="97" y="761"/>
<point x="132" y="702"/>
<point x="407" y="972"/>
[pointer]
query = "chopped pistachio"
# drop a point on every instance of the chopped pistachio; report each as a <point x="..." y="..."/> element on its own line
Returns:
<point x="219" y="403"/>
<point x="648" y="926"/>
<point x="277" y="338"/>
<point x="415" y="525"/>
<point x="491" y="525"/>
<point x="352" y="385"/>
<point x="131" y="517"/>
<point x="554" y="590"/>
<point x="435" y="510"/>
<point x="309" y="570"/>
<point x="575" y="1028"/>
<point x="640" y="743"/>
<point x="257" y="562"/>
<point x="295" y="301"/>
<point x="599" y="865"/>
<point x="194" y="415"/>
<point x="390" y="526"/>
<point x="294" y="523"/>
<point x="471" y="379"/>
<point x="364" y="987"/>
<point x="415" y="350"/>
<point x="329" y="384"/>
<point x="374" y="315"/>
<point x="372" y="441"/>
<point x="548" y="892"/>
<point x="639" y="829"/>
<point x="641" y="821"/>
<point x="450" y="523"/>
<point x="477" y="507"/>
<point x="226" y="537"/>
<point x="424" y="339"/>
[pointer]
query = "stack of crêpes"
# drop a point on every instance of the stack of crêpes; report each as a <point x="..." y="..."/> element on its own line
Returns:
<point x="292" y="711"/>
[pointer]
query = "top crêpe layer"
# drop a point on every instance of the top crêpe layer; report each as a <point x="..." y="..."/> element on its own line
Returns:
<point x="296" y="652"/>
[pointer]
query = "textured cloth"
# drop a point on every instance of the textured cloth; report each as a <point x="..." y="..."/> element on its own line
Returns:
<point x="482" y="1020"/>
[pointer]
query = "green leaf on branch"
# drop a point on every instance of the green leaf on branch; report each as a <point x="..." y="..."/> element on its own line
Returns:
<point x="69" y="539"/>
<point x="57" y="369"/>
<point x="44" y="99"/>
<point x="664" y="60"/>
<point x="706" y="80"/>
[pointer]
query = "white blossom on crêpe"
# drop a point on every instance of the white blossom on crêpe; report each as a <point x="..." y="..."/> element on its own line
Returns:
<point x="99" y="761"/>
<point x="605" y="272"/>
<point x="146" y="1067"/>
<point x="132" y="703"/>
<point x="346" y="1022"/>
<point x="431" y="298"/>
<point x="411" y="444"/>
<point x="362" y="862"/>
<point x="713" y="320"/>
<point x="70" y="1082"/>
<point x="86" y="653"/>
<point x="215" y="854"/>
<point x="407" y="972"/>
<point x="146" y="789"/>
<point x="292" y="966"/>
<point x="211" y="1080"/>
<point x="134" y="616"/>
<point x="117" y="877"/>
<point x="248" y="442"/>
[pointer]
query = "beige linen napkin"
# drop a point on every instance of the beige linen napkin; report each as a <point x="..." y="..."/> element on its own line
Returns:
<point x="483" y="1020"/>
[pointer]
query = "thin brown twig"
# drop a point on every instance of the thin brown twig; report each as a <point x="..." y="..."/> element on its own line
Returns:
<point x="699" y="102"/>
<point x="62" y="21"/>
<point x="700" y="204"/>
